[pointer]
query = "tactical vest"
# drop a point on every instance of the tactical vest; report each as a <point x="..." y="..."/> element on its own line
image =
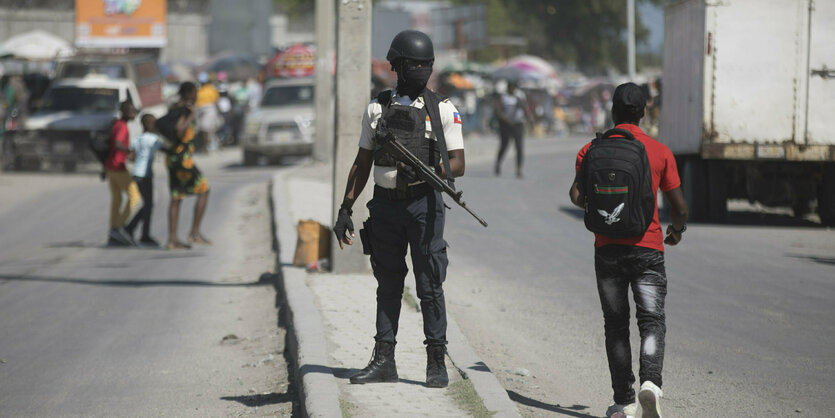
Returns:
<point x="408" y="124"/>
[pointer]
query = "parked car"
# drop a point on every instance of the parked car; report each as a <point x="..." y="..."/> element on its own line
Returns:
<point x="72" y="113"/>
<point x="283" y="123"/>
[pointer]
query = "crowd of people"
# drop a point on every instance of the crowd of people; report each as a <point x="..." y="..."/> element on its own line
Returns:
<point x="221" y="107"/>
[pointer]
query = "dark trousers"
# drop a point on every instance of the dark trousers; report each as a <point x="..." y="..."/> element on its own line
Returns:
<point x="419" y="224"/>
<point x="146" y="190"/>
<point x="516" y="132"/>
<point x="619" y="267"/>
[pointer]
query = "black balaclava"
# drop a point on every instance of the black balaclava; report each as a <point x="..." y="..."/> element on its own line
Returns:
<point x="411" y="80"/>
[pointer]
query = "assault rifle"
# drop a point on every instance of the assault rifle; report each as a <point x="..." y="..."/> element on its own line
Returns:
<point x="399" y="152"/>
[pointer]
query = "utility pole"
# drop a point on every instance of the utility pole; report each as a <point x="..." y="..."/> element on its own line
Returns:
<point x="353" y="92"/>
<point x="630" y="38"/>
<point x="325" y="28"/>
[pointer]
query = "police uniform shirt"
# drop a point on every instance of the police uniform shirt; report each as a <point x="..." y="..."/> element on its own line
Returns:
<point x="450" y="118"/>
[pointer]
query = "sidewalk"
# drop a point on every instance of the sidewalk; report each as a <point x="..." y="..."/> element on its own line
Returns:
<point x="330" y="320"/>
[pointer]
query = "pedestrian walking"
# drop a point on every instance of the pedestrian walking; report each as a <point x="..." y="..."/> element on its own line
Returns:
<point x="184" y="178"/>
<point x="512" y="110"/>
<point x="145" y="147"/>
<point x="208" y="115"/>
<point x="617" y="205"/>
<point x="119" y="178"/>
<point x="405" y="211"/>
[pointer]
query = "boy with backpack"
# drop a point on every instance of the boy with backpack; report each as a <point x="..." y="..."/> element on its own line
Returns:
<point x="145" y="147"/>
<point x="618" y="177"/>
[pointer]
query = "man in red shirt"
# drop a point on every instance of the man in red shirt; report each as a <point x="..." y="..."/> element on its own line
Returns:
<point x="637" y="262"/>
<point x="119" y="178"/>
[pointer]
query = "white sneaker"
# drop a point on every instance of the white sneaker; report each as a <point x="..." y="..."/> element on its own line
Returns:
<point x="649" y="397"/>
<point x="622" y="411"/>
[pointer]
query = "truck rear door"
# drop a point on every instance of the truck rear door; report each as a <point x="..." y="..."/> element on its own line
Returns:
<point x="752" y="88"/>
<point x="821" y="101"/>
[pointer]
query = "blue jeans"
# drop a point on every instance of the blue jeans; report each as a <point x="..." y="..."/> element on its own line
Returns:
<point x="619" y="267"/>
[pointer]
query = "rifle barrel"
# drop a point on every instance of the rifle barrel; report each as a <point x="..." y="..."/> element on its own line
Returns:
<point x="428" y="175"/>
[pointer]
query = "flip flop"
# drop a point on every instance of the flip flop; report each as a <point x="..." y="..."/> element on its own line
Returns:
<point x="178" y="246"/>
<point x="199" y="240"/>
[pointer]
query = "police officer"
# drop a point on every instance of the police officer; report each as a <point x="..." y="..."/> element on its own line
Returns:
<point x="405" y="211"/>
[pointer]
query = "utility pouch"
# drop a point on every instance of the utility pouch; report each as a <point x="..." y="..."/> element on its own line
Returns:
<point x="365" y="237"/>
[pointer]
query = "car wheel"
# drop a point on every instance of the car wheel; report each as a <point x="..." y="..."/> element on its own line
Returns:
<point x="250" y="158"/>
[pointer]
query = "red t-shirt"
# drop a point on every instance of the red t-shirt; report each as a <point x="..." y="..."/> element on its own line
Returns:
<point x="664" y="175"/>
<point x="116" y="158"/>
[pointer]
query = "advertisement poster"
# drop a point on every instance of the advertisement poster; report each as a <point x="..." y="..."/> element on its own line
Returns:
<point x="120" y="23"/>
<point x="296" y="61"/>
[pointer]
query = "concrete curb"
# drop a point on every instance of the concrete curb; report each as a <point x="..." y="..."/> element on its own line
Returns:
<point x="317" y="385"/>
<point x="318" y="391"/>
<point x="471" y="367"/>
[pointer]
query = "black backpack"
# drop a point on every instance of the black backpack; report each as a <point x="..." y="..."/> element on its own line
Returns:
<point x="100" y="142"/>
<point x="167" y="125"/>
<point x="616" y="179"/>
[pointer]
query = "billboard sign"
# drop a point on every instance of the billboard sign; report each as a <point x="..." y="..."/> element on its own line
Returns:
<point x="120" y="23"/>
<point x="296" y="61"/>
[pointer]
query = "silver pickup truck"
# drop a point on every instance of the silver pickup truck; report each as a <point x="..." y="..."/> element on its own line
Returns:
<point x="283" y="124"/>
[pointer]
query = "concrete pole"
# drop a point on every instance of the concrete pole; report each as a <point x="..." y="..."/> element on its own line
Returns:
<point x="353" y="92"/>
<point x="325" y="32"/>
<point x="630" y="38"/>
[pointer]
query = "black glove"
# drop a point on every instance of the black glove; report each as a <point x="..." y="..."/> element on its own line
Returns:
<point x="407" y="173"/>
<point x="343" y="225"/>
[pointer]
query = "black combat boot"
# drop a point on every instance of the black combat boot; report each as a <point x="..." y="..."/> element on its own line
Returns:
<point x="436" y="376"/>
<point x="381" y="368"/>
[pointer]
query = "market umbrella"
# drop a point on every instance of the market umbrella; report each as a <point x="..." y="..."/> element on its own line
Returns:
<point x="517" y="74"/>
<point x="37" y="45"/>
<point x="298" y="60"/>
<point x="534" y="64"/>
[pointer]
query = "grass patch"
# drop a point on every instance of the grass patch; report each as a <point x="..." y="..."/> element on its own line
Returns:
<point x="465" y="396"/>
<point x="407" y="297"/>
<point x="347" y="408"/>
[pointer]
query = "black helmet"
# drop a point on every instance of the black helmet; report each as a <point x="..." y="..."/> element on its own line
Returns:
<point x="411" y="44"/>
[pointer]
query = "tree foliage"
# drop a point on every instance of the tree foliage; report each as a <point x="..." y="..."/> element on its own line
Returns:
<point x="588" y="33"/>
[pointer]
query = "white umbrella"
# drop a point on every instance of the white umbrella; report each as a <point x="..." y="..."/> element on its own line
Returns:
<point x="37" y="45"/>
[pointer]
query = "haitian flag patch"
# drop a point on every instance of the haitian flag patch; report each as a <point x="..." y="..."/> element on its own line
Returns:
<point x="456" y="117"/>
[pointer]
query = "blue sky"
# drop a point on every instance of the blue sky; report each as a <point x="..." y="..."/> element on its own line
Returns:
<point x="653" y="18"/>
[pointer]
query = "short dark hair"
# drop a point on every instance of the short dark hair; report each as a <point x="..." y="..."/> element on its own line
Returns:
<point x="628" y="103"/>
<point x="125" y="105"/>
<point x="187" y="87"/>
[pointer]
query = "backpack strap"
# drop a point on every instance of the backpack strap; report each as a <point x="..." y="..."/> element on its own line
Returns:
<point x="616" y="131"/>
<point x="384" y="97"/>
<point x="432" y="103"/>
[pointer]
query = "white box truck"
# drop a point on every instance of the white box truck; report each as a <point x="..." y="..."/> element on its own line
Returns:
<point x="748" y="93"/>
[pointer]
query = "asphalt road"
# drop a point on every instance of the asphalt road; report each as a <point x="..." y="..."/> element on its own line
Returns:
<point x="750" y="318"/>
<point x="87" y="330"/>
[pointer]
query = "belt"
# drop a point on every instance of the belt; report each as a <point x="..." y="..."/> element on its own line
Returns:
<point x="412" y="192"/>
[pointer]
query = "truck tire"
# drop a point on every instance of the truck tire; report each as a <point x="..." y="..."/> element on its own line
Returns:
<point x="250" y="158"/>
<point x="693" y="186"/>
<point x="717" y="191"/>
<point x="826" y="196"/>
